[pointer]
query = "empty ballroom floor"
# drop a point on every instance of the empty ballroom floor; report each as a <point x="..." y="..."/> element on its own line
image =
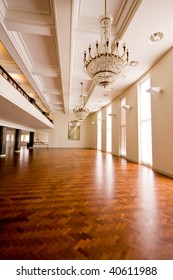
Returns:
<point x="83" y="204"/>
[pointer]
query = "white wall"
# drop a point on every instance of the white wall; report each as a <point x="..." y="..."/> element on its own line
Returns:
<point x="58" y="136"/>
<point x="132" y="124"/>
<point x="93" y="130"/>
<point x="10" y="138"/>
<point x="103" y="147"/>
<point x="115" y="127"/>
<point x="162" y="115"/>
<point x="162" y="118"/>
<point x="41" y="136"/>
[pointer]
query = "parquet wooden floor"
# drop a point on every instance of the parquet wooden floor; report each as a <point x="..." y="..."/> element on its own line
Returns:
<point x="83" y="204"/>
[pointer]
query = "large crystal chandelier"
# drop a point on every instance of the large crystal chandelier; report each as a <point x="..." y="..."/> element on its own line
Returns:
<point x="109" y="62"/>
<point x="81" y="112"/>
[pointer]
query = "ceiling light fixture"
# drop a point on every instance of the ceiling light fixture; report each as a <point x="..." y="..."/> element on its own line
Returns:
<point x="109" y="62"/>
<point x="133" y="63"/>
<point x="154" y="90"/>
<point x="81" y="112"/>
<point x="126" y="107"/>
<point x="156" y="37"/>
<point x="112" y="115"/>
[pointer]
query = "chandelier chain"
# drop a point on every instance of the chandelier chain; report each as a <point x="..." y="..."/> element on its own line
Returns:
<point x="105" y="8"/>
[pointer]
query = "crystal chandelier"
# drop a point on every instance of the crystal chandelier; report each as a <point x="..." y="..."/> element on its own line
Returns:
<point x="81" y="112"/>
<point x="109" y="62"/>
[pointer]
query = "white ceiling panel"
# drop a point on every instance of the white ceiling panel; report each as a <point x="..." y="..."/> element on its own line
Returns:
<point x="41" y="49"/>
<point x="33" y="6"/>
<point x="44" y="40"/>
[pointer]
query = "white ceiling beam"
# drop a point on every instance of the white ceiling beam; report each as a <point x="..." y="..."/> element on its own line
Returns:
<point x="27" y="88"/>
<point x="56" y="103"/>
<point x="31" y="28"/>
<point x="56" y="106"/>
<point x="31" y="17"/>
<point x="10" y="66"/>
<point x="28" y="21"/>
<point x="62" y="14"/>
<point x="44" y="70"/>
<point x="2" y="10"/>
<point x="125" y="15"/>
<point x="48" y="91"/>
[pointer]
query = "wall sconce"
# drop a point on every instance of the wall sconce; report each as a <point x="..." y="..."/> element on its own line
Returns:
<point x="126" y="107"/>
<point x="112" y="115"/>
<point x="101" y="120"/>
<point x="154" y="90"/>
<point x="93" y="123"/>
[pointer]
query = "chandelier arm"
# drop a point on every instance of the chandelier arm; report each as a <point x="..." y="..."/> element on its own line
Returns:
<point x="123" y="56"/>
<point x="117" y="46"/>
<point x="127" y="56"/>
<point x="81" y="95"/>
<point x="85" y="61"/>
<point x="124" y="52"/>
<point x="89" y="49"/>
<point x="107" y="46"/>
<point x="97" y="48"/>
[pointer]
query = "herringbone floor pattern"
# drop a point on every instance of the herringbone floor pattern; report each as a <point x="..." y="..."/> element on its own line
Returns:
<point x="83" y="204"/>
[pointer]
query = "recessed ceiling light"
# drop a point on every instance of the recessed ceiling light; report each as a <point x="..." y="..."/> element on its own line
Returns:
<point x="156" y="37"/>
<point x="133" y="63"/>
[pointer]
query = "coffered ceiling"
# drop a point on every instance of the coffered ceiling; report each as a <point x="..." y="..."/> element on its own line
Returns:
<point x="42" y="45"/>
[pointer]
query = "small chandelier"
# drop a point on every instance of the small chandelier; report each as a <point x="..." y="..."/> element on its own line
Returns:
<point x="108" y="63"/>
<point x="81" y="112"/>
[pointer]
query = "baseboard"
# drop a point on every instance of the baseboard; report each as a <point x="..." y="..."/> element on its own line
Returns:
<point x="162" y="172"/>
<point x="131" y="160"/>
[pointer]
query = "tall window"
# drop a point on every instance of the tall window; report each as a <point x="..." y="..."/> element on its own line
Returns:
<point x="123" y="128"/>
<point x="109" y="130"/>
<point x="10" y="138"/>
<point x="99" y="130"/>
<point x="25" y="138"/>
<point x="145" y="134"/>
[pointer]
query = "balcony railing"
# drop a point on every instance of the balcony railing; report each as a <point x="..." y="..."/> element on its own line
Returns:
<point x="6" y="75"/>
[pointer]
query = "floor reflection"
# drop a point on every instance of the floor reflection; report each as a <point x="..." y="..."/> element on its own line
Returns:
<point x="87" y="203"/>
<point x="148" y="217"/>
<point x="105" y="173"/>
